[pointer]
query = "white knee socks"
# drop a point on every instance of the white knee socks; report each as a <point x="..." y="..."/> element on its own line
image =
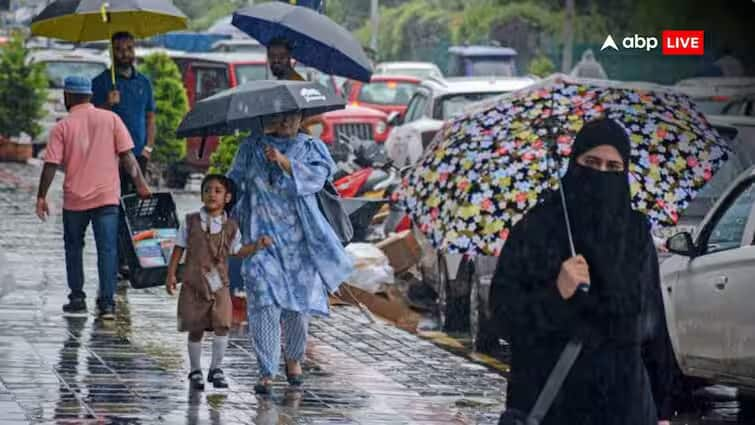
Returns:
<point x="195" y="355"/>
<point x="219" y="344"/>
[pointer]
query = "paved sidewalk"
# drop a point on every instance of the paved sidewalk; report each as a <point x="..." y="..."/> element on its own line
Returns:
<point x="81" y="370"/>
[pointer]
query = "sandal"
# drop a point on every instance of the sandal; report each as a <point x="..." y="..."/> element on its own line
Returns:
<point x="294" y="380"/>
<point x="195" y="378"/>
<point x="217" y="378"/>
<point x="264" y="386"/>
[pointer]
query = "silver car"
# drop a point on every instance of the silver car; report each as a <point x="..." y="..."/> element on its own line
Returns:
<point x="709" y="287"/>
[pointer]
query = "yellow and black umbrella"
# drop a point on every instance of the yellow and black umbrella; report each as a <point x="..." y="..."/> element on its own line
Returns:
<point x="92" y="20"/>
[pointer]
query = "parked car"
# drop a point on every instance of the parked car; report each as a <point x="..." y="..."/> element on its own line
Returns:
<point x="485" y="61"/>
<point x="205" y="74"/>
<point x="713" y="94"/>
<point x="353" y="121"/>
<point x="239" y="45"/>
<point x="436" y="101"/>
<point x="387" y="93"/>
<point x="742" y="105"/>
<point x="60" y="64"/>
<point x="421" y="70"/>
<point x="708" y="291"/>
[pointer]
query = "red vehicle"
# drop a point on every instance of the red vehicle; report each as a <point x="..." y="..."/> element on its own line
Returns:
<point x="205" y="74"/>
<point x="387" y="93"/>
<point x="356" y="121"/>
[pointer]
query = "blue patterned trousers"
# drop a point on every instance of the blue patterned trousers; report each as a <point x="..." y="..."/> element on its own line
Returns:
<point x="265" y="325"/>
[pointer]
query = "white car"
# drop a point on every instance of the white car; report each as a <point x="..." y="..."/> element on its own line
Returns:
<point x="421" y="70"/>
<point x="436" y="101"/>
<point x="708" y="290"/>
<point x="60" y="64"/>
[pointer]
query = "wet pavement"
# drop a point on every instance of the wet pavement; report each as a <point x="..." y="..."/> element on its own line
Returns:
<point x="133" y="371"/>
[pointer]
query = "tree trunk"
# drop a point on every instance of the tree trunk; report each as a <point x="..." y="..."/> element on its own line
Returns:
<point x="567" y="59"/>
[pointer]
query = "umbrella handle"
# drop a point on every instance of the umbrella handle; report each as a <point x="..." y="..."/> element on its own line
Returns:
<point x="200" y="154"/>
<point x="106" y="19"/>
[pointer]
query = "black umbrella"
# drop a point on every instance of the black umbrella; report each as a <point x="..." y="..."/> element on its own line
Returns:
<point x="316" y="40"/>
<point x="245" y="107"/>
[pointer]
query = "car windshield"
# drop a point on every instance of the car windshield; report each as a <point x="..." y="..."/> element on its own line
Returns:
<point x="421" y="73"/>
<point x="453" y="105"/>
<point x="250" y="72"/>
<point x="741" y="157"/>
<point x="486" y="66"/>
<point x="387" y="93"/>
<point x="709" y="106"/>
<point x="57" y="71"/>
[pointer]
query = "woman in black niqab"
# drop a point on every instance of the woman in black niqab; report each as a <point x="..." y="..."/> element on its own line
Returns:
<point x="624" y="374"/>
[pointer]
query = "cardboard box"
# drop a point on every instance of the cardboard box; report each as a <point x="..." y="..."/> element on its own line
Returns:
<point x="402" y="250"/>
<point x="390" y="305"/>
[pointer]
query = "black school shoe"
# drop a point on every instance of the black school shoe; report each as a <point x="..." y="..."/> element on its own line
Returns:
<point x="217" y="378"/>
<point x="195" y="380"/>
<point x="75" y="307"/>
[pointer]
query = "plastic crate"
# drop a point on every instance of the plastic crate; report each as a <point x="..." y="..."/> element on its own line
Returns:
<point x="137" y="215"/>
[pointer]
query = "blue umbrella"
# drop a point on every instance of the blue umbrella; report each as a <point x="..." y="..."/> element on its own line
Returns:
<point x="316" y="40"/>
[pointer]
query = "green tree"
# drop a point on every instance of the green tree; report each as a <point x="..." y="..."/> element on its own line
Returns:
<point x="172" y="104"/>
<point x="221" y="159"/>
<point x="23" y="91"/>
<point x="541" y="66"/>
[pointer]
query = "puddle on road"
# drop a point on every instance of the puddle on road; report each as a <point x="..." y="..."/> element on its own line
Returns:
<point x="119" y="370"/>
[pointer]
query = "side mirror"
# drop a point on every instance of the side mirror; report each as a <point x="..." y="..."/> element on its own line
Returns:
<point x="681" y="244"/>
<point x="394" y="119"/>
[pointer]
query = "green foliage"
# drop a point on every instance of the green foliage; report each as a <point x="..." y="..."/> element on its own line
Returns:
<point x="478" y="20"/>
<point x="221" y="159"/>
<point x="411" y="31"/>
<point x="542" y="66"/>
<point x="172" y="105"/>
<point x="23" y="90"/>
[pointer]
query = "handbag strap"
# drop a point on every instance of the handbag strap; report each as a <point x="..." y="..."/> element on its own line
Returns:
<point x="554" y="382"/>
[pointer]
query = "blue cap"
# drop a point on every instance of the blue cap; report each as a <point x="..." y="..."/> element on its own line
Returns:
<point x="77" y="85"/>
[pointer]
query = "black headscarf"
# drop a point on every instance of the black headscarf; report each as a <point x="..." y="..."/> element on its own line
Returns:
<point x="610" y="236"/>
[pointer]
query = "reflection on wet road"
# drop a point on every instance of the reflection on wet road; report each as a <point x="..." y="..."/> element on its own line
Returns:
<point x="56" y="370"/>
<point x="133" y="370"/>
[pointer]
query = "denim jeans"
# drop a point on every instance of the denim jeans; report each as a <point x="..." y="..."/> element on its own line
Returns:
<point x="105" y="225"/>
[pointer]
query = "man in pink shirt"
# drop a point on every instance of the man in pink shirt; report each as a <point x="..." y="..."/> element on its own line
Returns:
<point x="89" y="144"/>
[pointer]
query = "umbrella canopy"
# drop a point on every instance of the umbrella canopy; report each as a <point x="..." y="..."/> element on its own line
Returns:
<point x="244" y="107"/>
<point x="223" y="26"/>
<point x="486" y="168"/>
<point x="82" y="20"/>
<point x="317" y="41"/>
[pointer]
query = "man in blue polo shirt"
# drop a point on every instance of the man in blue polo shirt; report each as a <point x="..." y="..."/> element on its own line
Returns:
<point x="131" y="99"/>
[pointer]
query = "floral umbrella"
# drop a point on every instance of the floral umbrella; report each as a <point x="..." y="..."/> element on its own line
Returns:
<point x="486" y="168"/>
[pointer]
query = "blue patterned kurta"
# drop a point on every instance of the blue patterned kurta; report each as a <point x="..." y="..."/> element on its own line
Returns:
<point x="306" y="260"/>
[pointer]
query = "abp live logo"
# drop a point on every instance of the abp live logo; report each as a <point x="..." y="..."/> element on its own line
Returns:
<point x="673" y="43"/>
<point x="682" y="43"/>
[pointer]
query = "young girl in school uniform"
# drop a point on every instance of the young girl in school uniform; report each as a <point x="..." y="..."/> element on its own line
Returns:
<point x="208" y="236"/>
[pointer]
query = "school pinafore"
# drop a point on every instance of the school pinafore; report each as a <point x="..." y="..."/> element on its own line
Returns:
<point x="200" y="309"/>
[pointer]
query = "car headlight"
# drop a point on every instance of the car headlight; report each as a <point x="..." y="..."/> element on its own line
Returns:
<point x="381" y="127"/>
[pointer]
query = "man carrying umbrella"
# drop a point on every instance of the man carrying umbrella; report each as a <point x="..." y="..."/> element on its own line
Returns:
<point x="280" y="60"/>
<point x="131" y="99"/>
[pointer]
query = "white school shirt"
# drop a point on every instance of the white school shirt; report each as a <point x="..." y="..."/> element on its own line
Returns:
<point x="216" y="226"/>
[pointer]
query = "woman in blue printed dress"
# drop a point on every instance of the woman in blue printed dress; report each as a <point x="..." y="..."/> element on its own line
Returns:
<point x="278" y="176"/>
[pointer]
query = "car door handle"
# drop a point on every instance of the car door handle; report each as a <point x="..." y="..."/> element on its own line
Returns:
<point x="721" y="282"/>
